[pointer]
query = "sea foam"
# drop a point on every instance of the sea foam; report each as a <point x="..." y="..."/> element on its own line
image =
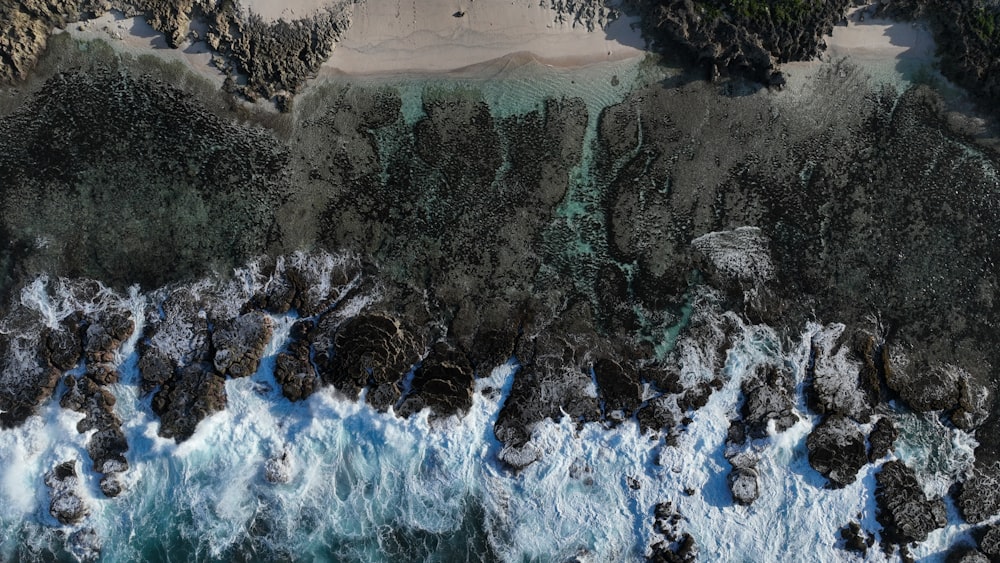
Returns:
<point x="362" y="485"/>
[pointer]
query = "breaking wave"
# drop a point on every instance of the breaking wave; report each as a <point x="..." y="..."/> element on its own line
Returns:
<point x="330" y="478"/>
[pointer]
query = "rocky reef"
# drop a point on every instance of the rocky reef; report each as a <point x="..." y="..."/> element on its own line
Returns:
<point x="621" y="256"/>
<point x="748" y="39"/>
<point x="263" y="59"/>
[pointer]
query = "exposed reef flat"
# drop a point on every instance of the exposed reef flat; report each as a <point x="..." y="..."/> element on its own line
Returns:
<point x="427" y="317"/>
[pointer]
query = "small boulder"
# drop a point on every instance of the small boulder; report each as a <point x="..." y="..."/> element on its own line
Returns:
<point x="743" y="483"/>
<point x="278" y="469"/>
<point x="65" y="503"/>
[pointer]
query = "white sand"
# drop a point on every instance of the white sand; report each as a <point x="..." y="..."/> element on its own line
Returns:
<point x="135" y="36"/>
<point x="410" y="36"/>
<point x="389" y="37"/>
<point x="424" y="35"/>
<point x="881" y="39"/>
<point x="273" y="10"/>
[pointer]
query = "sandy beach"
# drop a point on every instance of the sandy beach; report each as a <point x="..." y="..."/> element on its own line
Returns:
<point x="484" y="37"/>
<point x="135" y="36"/>
<point x="392" y="37"/>
<point x="398" y="38"/>
<point x="882" y="39"/>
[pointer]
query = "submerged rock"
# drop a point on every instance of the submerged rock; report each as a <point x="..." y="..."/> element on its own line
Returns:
<point x="856" y="539"/>
<point x="85" y="544"/>
<point x="744" y="485"/>
<point x="65" y="504"/>
<point x="904" y="511"/>
<point x="278" y="469"/>
<point x="837" y="450"/>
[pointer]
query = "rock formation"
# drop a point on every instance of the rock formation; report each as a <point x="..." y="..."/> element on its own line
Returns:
<point x="905" y="513"/>
<point x="837" y="450"/>
<point x="65" y="504"/>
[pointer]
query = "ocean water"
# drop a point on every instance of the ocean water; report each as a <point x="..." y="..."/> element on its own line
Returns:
<point x="369" y="486"/>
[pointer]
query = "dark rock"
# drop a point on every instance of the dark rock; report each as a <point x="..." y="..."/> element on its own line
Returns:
<point x="979" y="498"/>
<point x="64" y="347"/>
<point x="275" y="57"/>
<point x="443" y="382"/>
<point x="904" y="511"/>
<point x="966" y="555"/>
<point x="296" y="376"/>
<point x="655" y="417"/>
<point x="838" y="384"/>
<point x="676" y="546"/>
<point x="837" y="450"/>
<point x="925" y="388"/>
<point x="696" y="397"/>
<point x="372" y="350"/>
<point x="101" y="342"/>
<point x="744" y="485"/>
<point x="155" y="367"/>
<point x="194" y="393"/>
<point x="278" y="469"/>
<point x="856" y="539"/>
<point x="549" y="388"/>
<point x="990" y="542"/>
<point x="737" y="433"/>
<point x="882" y="439"/>
<point x="766" y="400"/>
<point x="293" y="369"/>
<point x="108" y="445"/>
<point x="24" y="384"/>
<point x="65" y="503"/>
<point x="85" y="544"/>
<point x="310" y="289"/>
<point x="974" y="403"/>
<point x="619" y="388"/>
<point x="491" y="348"/>
<point x="239" y="344"/>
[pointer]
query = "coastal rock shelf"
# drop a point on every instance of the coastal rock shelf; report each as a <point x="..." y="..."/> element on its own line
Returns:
<point x="432" y="318"/>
